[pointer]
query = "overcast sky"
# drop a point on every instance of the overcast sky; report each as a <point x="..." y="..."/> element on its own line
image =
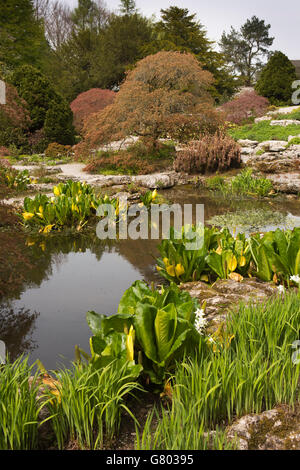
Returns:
<point x="219" y="15"/>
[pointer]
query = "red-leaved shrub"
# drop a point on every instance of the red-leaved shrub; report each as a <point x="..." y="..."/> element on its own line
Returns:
<point x="217" y="152"/>
<point x="89" y="102"/>
<point x="245" y="106"/>
<point x="4" y="152"/>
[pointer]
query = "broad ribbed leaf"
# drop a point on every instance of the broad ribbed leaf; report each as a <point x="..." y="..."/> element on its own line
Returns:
<point x="143" y="322"/>
<point x="165" y="327"/>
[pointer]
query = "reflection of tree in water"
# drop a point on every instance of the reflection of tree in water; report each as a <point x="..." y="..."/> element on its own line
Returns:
<point x="16" y="328"/>
<point x="37" y="256"/>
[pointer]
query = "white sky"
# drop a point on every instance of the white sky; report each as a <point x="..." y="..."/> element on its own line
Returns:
<point x="219" y="15"/>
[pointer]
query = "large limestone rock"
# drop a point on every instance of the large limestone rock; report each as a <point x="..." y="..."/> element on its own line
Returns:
<point x="285" y="122"/>
<point x="155" y="181"/>
<point x="226" y="295"/>
<point x="272" y="146"/>
<point x="277" y="429"/>
<point x="288" y="183"/>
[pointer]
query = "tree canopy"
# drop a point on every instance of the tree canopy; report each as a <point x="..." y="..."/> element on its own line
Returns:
<point x="246" y="49"/>
<point x="165" y="94"/>
<point x="276" y="78"/>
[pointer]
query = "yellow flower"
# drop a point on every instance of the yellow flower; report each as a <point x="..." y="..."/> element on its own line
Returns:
<point x="171" y="270"/>
<point x="166" y="261"/>
<point x="56" y="191"/>
<point x="43" y="246"/>
<point x="179" y="270"/>
<point x="130" y="344"/>
<point x="30" y="242"/>
<point x="158" y="268"/>
<point x="48" y="228"/>
<point x="242" y="261"/>
<point x="154" y="195"/>
<point x="27" y="215"/>
<point x="232" y="263"/>
<point x="219" y="250"/>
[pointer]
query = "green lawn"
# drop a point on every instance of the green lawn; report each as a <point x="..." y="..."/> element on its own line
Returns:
<point x="262" y="131"/>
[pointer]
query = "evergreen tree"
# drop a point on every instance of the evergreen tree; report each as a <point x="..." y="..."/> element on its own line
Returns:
<point x="122" y="46"/>
<point x="246" y="49"/>
<point x="276" y="78"/>
<point x="179" y="30"/>
<point x="22" y="39"/>
<point x="41" y="97"/>
<point x="128" y="7"/>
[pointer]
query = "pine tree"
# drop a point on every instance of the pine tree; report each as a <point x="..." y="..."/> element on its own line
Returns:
<point x="22" y="39"/>
<point x="276" y="78"/>
<point x="128" y="7"/>
<point x="245" y="49"/>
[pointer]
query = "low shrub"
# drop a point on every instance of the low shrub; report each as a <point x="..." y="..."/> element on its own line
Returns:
<point x="217" y="152"/>
<point x="59" y="151"/>
<point x="245" y="107"/>
<point x="142" y="158"/>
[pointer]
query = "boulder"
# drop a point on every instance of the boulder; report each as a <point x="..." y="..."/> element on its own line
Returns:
<point x="276" y="429"/>
<point x="286" y="182"/>
<point x="155" y="181"/>
<point x="247" y="143"/>
<point x="285" y="122"/>
<point x="272" y="146"/>
<point x="225" y="295"/>
<point x="263" y="118"/>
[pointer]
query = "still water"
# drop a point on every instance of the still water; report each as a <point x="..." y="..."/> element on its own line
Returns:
<point x="46" y="317"/>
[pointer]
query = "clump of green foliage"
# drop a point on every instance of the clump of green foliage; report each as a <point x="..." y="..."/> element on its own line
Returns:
<point x="244" y="367"/>
<point x="19" y="408"/>
<point x="242" y="184"/>
<point x="148" y="333"/>
<point x="72" y="205"/>
<point x="294" y="141"/>
<point x="220" y="254"/>
<point x="87" y="404"/>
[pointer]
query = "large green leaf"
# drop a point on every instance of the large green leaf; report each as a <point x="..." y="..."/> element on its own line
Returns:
<point x="94" y="321"/>
<point x="165" y="327"/>
<point x="143" y="321"/>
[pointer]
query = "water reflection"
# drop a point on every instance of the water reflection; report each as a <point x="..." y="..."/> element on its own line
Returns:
<point x="16" y="329"/>
<point x="65" y="276"/>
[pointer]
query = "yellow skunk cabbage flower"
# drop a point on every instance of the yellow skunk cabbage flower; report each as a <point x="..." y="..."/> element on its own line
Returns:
<point x="158" y="268"/>
<point x="27" y="215"/>
<point x="242" y="261"/>
<point x="154" y="195"/>
<point x="166" y="261"/>
<point x="171" y="270"/>
<point x="179" y="270"/>
<point x="48" y="228"/>
<point x="56" y="191"/>
<point x="232" y="263"/>
<point x="130" y="344"/>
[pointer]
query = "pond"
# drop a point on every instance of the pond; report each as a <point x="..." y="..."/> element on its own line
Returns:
<point x="69" y="276"/>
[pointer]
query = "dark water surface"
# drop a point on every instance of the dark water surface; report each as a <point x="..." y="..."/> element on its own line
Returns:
<point x="71" y="276"/>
